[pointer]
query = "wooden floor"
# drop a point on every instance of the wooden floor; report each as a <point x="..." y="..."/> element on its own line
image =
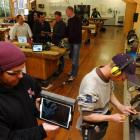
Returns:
<point x="102" y="48"/>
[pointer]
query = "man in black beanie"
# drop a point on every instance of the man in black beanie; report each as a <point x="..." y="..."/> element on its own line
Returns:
<point x="19" y="98"/>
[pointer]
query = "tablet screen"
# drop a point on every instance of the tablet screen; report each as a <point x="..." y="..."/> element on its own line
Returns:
<point x="22" y="39"/>
<point x="55" y="112"/>
<point x="37" y="47"/>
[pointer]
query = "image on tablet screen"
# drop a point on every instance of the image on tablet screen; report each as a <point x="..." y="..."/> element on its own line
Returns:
<point x="55" y="112"/>
<point x="37" y="48"/>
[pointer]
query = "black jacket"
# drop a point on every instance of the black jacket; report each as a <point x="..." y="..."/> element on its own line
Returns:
<point x="74" y="30"/>
<point x="59" y="32"/>
<point x="38" y="27"/>
<point x="95" y="14"/>
<point x="18" y="112"/>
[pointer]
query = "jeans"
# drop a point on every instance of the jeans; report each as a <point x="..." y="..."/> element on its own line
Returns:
<point x="74" y="55"/>
<point x="61" y="64"/>
<point x="91" y="134"/>
<point x="94" y="131"/>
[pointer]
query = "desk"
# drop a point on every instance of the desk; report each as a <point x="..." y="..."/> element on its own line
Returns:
<point x="99" y="22"/>
<point x="27" y="45"/>
<point x="88" y="30"/>
<point x="42" y="65"/>
<point x="129" y="132"/>
<point x="102" y="18"/>
<point x="89" y="27"/>
<point x="6" y="25"/>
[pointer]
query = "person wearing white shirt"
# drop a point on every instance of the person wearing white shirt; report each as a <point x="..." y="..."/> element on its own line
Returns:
<point x="96" y="93"/>
<point x="20" y="29"/>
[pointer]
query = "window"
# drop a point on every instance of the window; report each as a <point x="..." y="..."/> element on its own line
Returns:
<point x="4" y="8"/>
<point x="19" y="6"/>
<point x="57" y="1"/>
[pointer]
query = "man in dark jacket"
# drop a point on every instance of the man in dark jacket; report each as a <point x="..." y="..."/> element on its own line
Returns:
<point x="95" y="14"/>
<point x="59" y="28"/>
<point x="32" y="18"/>
<point x="74" y="31"/>
<point x="41" y="30"/>
<point x="59" y="32"/>
<point x="19" y="98"/>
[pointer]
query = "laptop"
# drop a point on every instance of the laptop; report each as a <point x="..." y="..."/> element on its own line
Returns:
<point x="37" y="47"/>
<point x="56" y="112"/>
<point x="22" y="39"/>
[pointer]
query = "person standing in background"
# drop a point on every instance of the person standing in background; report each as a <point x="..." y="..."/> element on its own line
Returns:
<point x="42" y="30"/>
<point x="59" y="32"/>
<point x="32" y="18"/>
<point x="20" y="29"/>
<point x="74" y="33"/>
<point x="95" y="14"/>
<point x="59" y="29"/>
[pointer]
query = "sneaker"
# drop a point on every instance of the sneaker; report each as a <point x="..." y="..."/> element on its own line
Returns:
<point x="70" y="80"/>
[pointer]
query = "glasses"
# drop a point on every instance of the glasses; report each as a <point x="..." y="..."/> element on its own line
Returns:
<point x="14" y="73"/>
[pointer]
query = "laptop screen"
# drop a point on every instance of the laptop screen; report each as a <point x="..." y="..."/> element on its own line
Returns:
<point x="22" y="39"/>
<point x="37" y="47"/>
<point x="55" y="112"/>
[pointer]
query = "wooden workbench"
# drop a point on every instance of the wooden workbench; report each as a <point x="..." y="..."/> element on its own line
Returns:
<point x="6" y="25"/>
<point x="129" y="132"/>
<point x="88" y="31"/>
<point x="89" y="27"/>
<point x="43" y="64"/>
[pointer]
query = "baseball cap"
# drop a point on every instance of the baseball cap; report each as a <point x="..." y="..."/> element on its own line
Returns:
<point x="127" y="65"/>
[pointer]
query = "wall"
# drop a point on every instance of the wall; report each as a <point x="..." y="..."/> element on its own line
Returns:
<point x="137" y="24"/>
<point x="101" y="5"/>
<point x="132" y="6"/>
<point x="130" y="10"/>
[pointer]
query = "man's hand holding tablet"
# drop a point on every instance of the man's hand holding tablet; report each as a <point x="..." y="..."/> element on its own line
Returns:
<point x="49" y="127"/>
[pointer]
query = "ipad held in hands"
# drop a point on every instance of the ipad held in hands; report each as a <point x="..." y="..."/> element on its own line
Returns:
<point x="55" y="112"/>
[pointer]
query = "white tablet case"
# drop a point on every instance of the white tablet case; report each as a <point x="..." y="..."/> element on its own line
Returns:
<point x="62" y="100"/>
